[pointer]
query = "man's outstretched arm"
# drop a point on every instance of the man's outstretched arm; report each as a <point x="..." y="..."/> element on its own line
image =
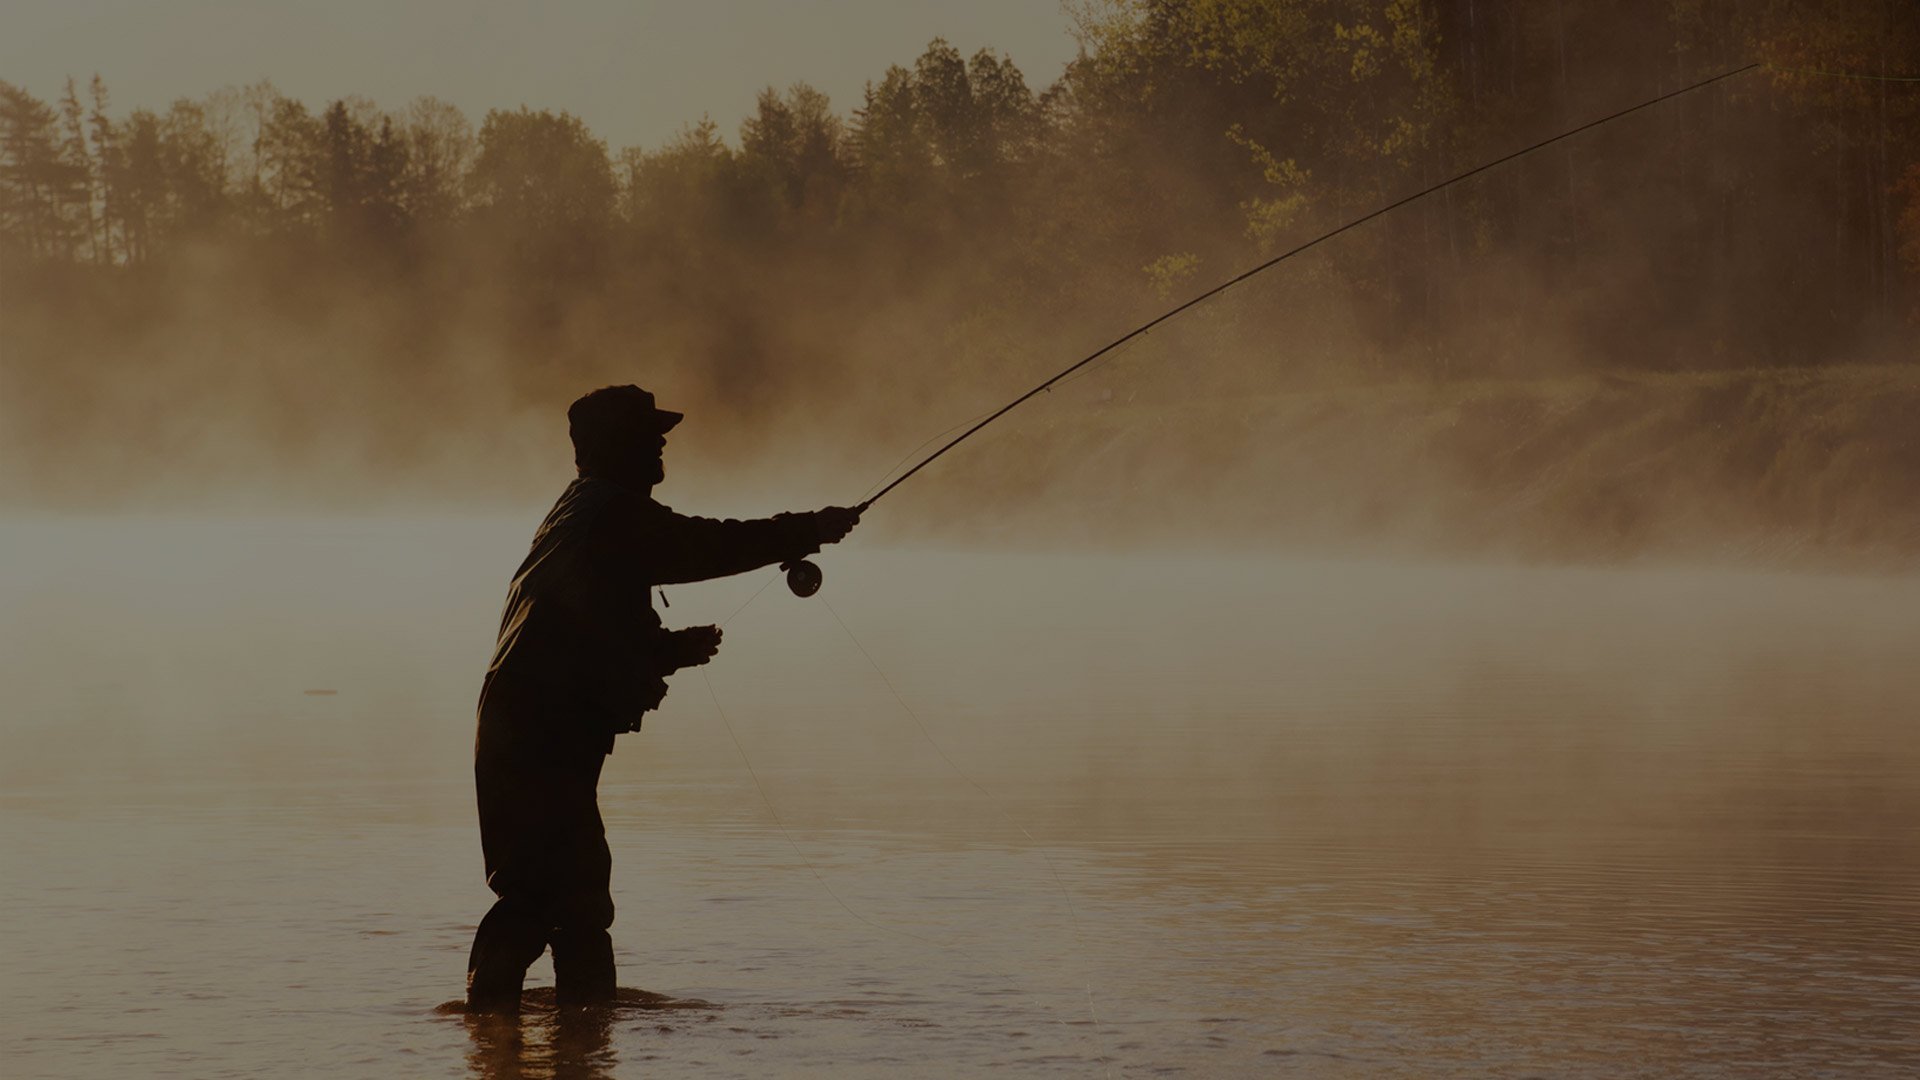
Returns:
<point x="682" y="548"/>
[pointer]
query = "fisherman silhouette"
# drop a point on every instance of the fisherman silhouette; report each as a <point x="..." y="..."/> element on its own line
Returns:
<point x="581" y="656"/>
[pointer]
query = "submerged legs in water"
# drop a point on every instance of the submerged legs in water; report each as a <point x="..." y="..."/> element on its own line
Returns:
<point x="583" y="967"/>
<point x="512" y="937"/>
<point x="547" y="861"/>
<point x="508" y="940"/>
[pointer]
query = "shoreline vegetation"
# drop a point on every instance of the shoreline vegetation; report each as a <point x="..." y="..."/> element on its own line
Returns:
<point x="1689" y="332"/>
<point x="1813" y="469"/>
<point x="1807" y="468"/>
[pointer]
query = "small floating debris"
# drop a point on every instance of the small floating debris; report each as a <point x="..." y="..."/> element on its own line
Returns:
<point x="319" y="693"/>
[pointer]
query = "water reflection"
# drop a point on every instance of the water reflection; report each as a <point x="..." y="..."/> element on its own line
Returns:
<point x="549" y="1042"/>
<point x="563" y="1044"/>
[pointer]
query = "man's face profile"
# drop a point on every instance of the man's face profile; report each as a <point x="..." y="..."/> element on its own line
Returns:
<point x="659" y="469"/>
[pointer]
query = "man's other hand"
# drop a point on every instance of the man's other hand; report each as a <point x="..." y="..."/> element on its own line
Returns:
<point x="655" y="693"/>
<point x="832" y="524"/>
<point x="695" y="645"/>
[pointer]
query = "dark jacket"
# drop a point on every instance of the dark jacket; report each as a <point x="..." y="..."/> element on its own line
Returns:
<point x="579" y="630"/>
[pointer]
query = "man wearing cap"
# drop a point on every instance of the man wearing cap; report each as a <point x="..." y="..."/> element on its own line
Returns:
<point x="581" y="656"/>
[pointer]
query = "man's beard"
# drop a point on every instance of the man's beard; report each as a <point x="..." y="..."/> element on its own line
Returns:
<point x="631" y="470"/>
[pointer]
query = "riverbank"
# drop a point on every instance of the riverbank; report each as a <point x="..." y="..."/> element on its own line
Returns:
<point x="1809" y="466"/>
<point x="1803" y="468"/>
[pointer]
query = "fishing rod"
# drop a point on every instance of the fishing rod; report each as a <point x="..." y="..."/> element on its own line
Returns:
<point x="804" y="578"/>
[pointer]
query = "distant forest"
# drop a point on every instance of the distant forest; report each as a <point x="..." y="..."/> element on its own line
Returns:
<point x="959" y="216"/>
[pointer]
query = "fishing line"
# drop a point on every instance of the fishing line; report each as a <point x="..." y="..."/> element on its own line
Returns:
<point x="750" y="600"/>
<point x="1073" y="910"/>
<point x="1290" y="253"/>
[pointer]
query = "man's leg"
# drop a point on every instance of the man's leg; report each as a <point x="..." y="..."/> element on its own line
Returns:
<point x="512" y="790"/>
<point x="509" y="939"/>
<point x="583" y="972"/>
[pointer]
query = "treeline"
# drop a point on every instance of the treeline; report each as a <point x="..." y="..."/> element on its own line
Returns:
<point x="81" y="186"/>
<point x="960" y="215"/>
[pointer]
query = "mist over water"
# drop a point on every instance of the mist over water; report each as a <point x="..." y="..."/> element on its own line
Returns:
<point x="1311" y="817"/>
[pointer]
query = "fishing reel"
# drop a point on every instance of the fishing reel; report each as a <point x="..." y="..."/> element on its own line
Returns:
<point x="803" y="577"/>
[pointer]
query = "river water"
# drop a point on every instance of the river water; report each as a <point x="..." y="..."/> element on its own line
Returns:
<point x="1188" y="815"/>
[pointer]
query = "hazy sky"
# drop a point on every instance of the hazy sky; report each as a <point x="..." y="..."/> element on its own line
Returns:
<point x="635" y="71"/>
